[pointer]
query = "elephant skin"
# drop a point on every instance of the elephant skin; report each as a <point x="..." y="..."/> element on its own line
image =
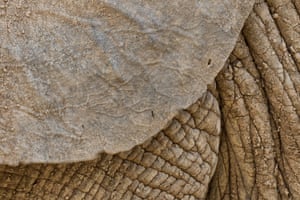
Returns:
<point x="80" y="78"/>
<point x="239" y="141"/>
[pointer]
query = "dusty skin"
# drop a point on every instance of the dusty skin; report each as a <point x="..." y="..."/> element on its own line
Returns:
<point x="252" y="112"/>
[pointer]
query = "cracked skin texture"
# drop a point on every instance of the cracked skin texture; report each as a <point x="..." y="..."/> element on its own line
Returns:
<point x="257" y="94"/>
<point x="177" y="163"/>
<point x="79" y="78"/>
<point x="260" y="103"/>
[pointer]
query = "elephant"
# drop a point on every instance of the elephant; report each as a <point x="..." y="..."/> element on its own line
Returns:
<point x="79" y="79"/>
<point x="240" y="140"/>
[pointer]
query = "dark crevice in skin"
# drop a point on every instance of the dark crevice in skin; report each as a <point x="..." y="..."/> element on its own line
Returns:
<point x="281" y="133"/>
<point x="250" y="135"/>
<point x="251" y="142"/>
<point x="297" y="6"/>
<point x="268" y="105"/>
<point x="252" y="145"/>
<point x="276" y="127"/>
<point x="277" y="123"/>
<point x="230" y="145"/>
<point x="229" y="172"/>
<point x="224" y="143"/>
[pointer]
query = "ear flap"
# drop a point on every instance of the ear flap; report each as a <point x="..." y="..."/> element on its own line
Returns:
<point x="104" y="76"/>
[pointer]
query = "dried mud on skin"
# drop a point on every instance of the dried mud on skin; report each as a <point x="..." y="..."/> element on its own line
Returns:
<point x="257" y="93"/>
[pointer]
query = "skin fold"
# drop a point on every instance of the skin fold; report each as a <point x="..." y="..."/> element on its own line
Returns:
<point x="82" y="78"/>
<point x="259" y="97"/>
<point x="240" y="140"/>
<point x="177" y="163"/>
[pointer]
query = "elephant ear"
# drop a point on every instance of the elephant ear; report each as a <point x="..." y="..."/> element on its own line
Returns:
<point x="83" y="77"/>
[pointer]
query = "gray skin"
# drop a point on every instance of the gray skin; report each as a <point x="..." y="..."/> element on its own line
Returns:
<point x="81" y="78"/>
<point x="256" y="102"/>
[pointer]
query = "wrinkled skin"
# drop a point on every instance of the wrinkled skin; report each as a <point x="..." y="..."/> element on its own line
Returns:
<point x="256" y="98"/>
<point x="260" y="101"/>
<point x="80" y="78"/>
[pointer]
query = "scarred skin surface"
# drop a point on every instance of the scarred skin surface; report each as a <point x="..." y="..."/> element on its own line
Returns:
<point x="257" y="101"/>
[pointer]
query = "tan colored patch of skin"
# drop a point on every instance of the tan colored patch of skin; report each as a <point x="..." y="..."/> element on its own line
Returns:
<point x="259" y="91"/>
<point x="178" y="163"/>
<point x="106" y="75"/>
<point x="258" y="95"/>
